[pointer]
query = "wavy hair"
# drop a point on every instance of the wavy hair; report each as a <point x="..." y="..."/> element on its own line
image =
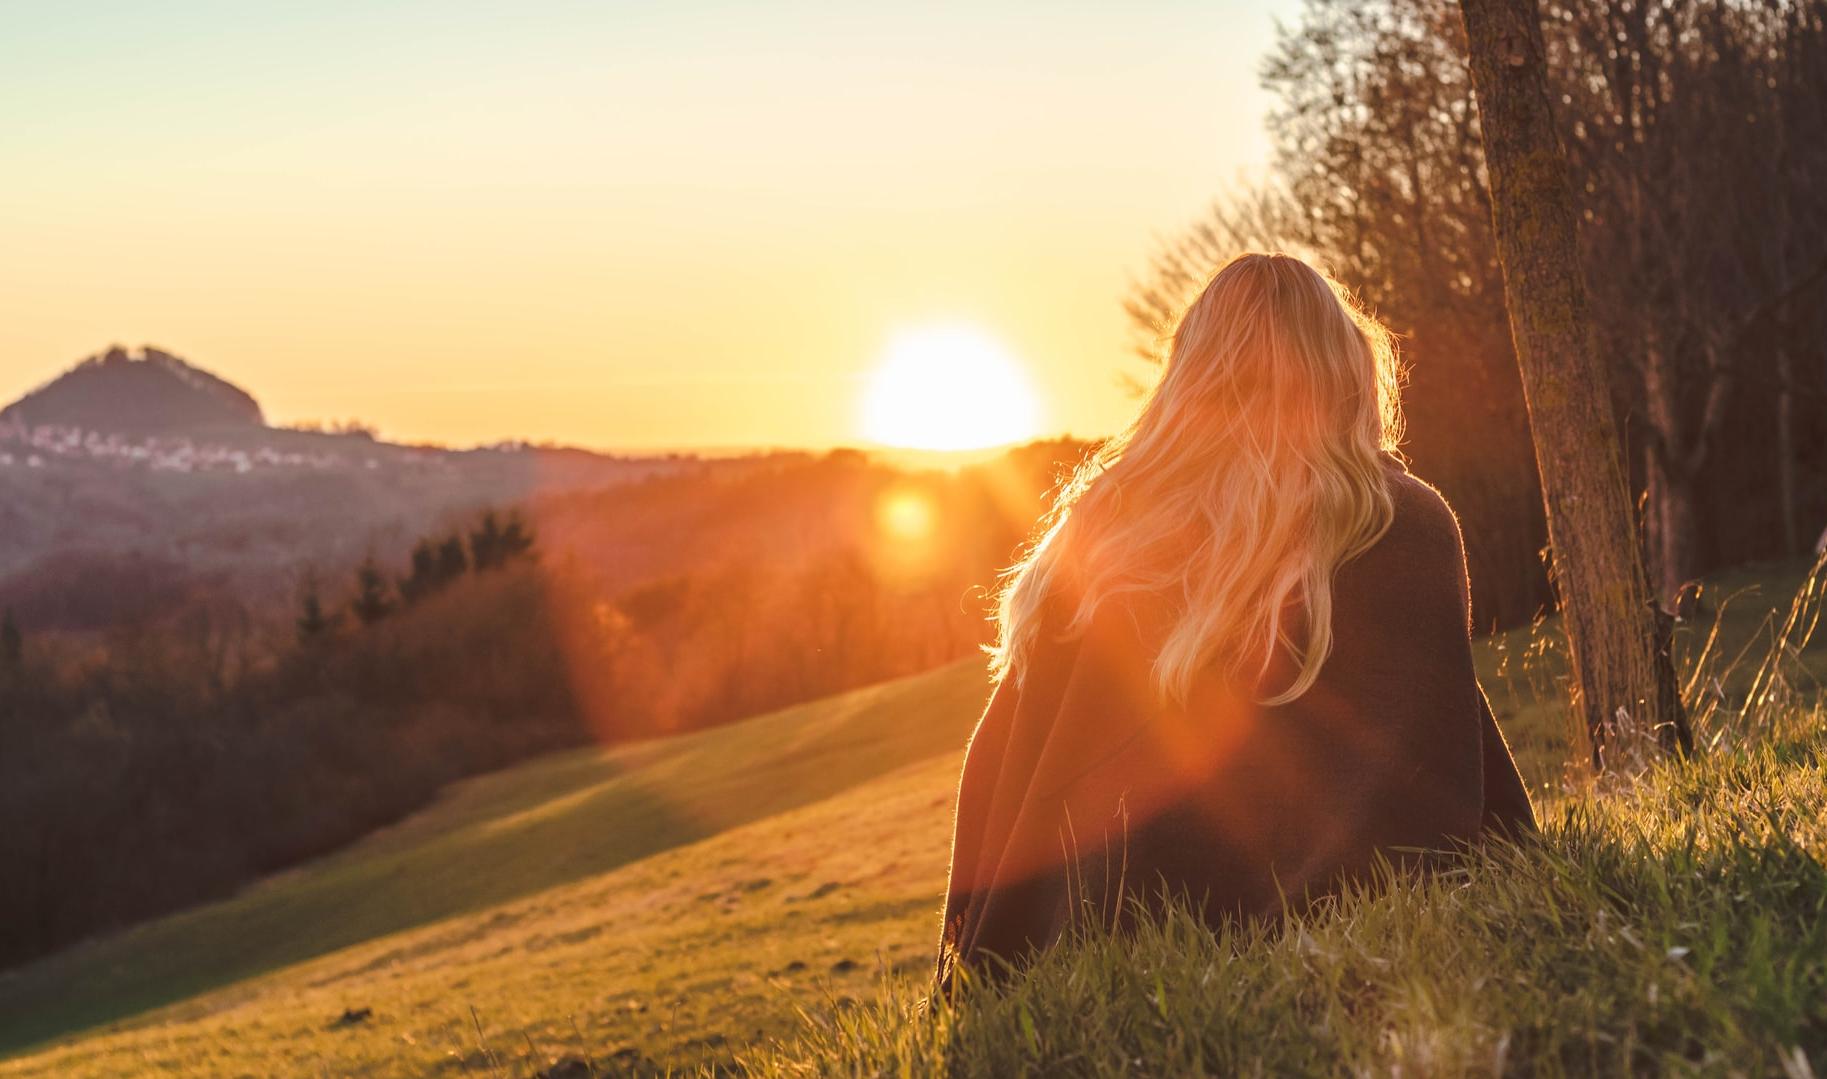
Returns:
<point x="1253" y="470"/>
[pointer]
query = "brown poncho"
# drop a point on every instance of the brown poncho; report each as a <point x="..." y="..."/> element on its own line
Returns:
<point x="1079" y="791"/>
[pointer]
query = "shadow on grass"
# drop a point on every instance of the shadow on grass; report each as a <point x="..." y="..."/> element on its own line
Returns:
<point x="492" y="840"/>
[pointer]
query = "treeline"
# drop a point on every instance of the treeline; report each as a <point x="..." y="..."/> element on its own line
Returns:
<point x="172" y="761"/>
<point x="1695" y="133"/>
<point x="436" y="564"/>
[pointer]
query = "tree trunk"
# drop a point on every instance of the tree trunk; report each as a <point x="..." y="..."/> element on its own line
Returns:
<point x="1670" y="522"/>
<point x="1618" y="644"/>
<point x="1785" y="450"/>
<point x="1673" y="529"/>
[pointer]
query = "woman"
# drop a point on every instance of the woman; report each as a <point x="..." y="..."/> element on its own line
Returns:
<point x="1237" y="665"/>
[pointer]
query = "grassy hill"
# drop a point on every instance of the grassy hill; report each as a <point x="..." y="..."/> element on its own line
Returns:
<point x="497" y="844"/>
<point x="678" y="899"/>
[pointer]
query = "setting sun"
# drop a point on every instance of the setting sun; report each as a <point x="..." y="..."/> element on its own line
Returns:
<point x="948" y="388"/>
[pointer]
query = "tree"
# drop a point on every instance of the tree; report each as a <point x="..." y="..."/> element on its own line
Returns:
<point x="452" y="561"/>
<point x="1617" y="641"/>
<point x="423" y="580"/>
<point x="516" y="539"/>
<point x="371" y="603"/>
<point x="1694" y="139"/>
<point x="313" y="623"/>
<point x="12" y="643"/>
<point x="493" y="544"/>
<point x="485" y="543"/>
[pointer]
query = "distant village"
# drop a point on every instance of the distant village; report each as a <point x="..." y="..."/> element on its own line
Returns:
<point x="34" y="447"/>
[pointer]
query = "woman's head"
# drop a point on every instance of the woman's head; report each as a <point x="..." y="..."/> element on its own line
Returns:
<point x="1253" y="470"/>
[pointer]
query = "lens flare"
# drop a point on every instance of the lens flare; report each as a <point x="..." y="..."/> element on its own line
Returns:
<point x="905" y="516"/>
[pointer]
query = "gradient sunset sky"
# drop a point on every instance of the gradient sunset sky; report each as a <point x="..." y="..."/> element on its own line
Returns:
<point x="612" y="225"/>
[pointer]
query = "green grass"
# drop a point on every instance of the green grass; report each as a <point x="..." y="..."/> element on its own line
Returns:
<point x="1675" y="927"/>
<point x="708" y="897"/>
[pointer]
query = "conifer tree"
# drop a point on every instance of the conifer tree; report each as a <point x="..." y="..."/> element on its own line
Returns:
<point x="313" y="623"/>
<point x="423" y="580"/>
<point x="452" y="561"/>
<point x="485" y="543"/>
<point x="516" y="539"/>
<point x="371" y="603"/>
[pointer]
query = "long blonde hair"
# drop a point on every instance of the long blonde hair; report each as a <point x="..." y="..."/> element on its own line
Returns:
<point x="1252" y="472"/>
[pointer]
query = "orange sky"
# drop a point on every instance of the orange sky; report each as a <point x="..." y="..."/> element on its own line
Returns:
<point x="613" y="225"/>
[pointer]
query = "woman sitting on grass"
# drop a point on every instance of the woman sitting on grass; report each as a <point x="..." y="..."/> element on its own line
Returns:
<point x="1237" y="667"/>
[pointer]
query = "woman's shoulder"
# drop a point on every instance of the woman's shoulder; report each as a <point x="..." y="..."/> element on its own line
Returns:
<point x="1418" y="564"/>
<point x="1422" y="513"/>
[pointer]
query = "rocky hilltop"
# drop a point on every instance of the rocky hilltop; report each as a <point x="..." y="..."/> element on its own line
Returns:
<point x="154" y="393"/>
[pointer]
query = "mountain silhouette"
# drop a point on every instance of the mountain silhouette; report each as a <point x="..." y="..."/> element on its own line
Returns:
<point x="149" y="394"/>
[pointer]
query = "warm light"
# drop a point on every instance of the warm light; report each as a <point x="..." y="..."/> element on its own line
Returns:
<point x="948" y="388"/>
<point x="905" y="515"/>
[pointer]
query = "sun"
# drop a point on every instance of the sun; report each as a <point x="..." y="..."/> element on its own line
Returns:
<point x="948" y="388"/>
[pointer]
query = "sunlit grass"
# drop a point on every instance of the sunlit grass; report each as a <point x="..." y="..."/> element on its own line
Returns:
<point x="1675" y="927"/>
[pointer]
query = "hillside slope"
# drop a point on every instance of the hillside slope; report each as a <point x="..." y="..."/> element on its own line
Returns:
<point x="679" y="898"/>
<point x="685" y="956"/>
<point x="489" y="841"/>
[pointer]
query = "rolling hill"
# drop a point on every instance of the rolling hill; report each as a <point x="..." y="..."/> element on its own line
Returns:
<point x="152" y="459"/>
<point x="676" y="899"/>
<point x="152" y="393"/>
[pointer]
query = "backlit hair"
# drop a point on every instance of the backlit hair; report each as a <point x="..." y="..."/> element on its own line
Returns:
<point x="1252" y="472"/>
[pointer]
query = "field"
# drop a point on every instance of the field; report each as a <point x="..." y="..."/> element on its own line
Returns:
<point x="682" y="902"/>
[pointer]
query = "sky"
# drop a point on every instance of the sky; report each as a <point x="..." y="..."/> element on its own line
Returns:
<point x="624" y="226"/>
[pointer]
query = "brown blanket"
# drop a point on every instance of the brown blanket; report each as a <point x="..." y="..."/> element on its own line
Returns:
<point x="1079" y="793"/>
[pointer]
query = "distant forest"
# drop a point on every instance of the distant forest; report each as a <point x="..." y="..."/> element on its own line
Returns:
<point x="177" y="756"/>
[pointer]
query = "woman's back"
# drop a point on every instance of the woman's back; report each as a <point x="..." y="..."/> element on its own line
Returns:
<point x="1081" y="788"/>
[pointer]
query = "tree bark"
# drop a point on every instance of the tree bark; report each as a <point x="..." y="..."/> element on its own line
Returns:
<point x="1617" y="641"/>
<point x="1673" y="526"/>
<point x="1785" y="450"/>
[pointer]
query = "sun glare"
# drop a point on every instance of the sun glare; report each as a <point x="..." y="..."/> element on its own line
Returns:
<point x="948" y="388"/>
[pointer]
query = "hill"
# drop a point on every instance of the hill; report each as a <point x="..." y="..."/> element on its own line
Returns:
<point x="679" y="898"/>
<point x="153" y="393"/>
<point x="151" y="460"/>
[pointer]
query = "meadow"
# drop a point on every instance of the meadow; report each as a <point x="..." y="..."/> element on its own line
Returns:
<point x="762" y="896"/>
<point x="1672" y="928"/>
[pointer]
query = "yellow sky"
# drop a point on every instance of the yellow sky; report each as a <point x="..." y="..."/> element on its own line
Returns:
<point x="612" y="225"/>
